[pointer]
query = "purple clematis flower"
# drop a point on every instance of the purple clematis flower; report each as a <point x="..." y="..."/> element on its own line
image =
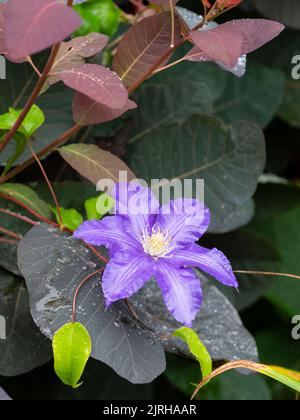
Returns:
<point x="156" y="242"/>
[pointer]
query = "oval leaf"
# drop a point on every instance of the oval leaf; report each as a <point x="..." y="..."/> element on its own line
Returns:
<point x="27" y="196"/>
<point x="119" y="339"/>
<point x="197" y="348"/>
<point x="98" y="83"/>
<point x="94" y="163"/>
<point x="219" y="44"/>
<point x="74" y="52"/>
<point x="143" y="45"/>
<point x="72" y="348"/>
<point x="31" y="26"/>
<point x="89" y="112"/>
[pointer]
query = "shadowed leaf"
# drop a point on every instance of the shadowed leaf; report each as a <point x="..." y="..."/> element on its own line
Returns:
<point x="143" y="45"/>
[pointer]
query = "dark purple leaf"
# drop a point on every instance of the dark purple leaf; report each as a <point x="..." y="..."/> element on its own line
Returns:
<point x="143" y="45"/>
<point x="33" y="25"/>
<point x="2" y="46"/>
<point x="219" y="44"/>
<point x="98" y="83"/>
<point x="89" y="112"/>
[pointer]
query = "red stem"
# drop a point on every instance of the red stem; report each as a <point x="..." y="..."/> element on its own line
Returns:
<point x="10" y="233"/>
<point x="18" y="216"/>
<point x="35" y="93"/>
<point x="78" y="289"/>
<point x="8" y="241"/>
<point x="31" y="211"/>
<point x="49" y="185"/>
<point x="56" y="143"/>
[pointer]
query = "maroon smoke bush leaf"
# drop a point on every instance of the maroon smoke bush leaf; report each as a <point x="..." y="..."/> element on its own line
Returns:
<point x="219" y="44"/>
<point x="247" y="35"/>
<point x="89" y="112"/>
<point x="2" y="46"/>
<point x="31" y="26"/>
<point x="75" y="51"/>
<point x="98" y="83"/>
<point x="143" y="45"/>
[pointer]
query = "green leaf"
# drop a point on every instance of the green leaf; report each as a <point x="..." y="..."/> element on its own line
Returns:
<point x="98" y="16"/>
<point x="71" y="348"/>
<point x="20" y="145"/>
<point x="91" y="209"/>
<point x="56" y="104"/>
<point x="7" y="121"/>
<point x="182" y="373"/>
<point x="27" y="196"/>
<point x="278" y="213"/>
<point x="197" y="348"/>
<point x="230" y="160"/>
<point x="71" y="218"/>
<point x="97" y="207"/>
<point x="256" y="97"/>
<point x="33" y="120"/>
<point x="285" y="376"/>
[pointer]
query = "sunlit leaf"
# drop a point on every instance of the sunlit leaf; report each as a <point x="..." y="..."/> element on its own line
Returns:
<point x="72" y="348"/>
<point x="71" y="218"/>
<point x="197" y="349"/>
<point x="287" y="377"/>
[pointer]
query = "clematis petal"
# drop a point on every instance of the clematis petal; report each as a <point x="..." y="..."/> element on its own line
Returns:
<point x="212" y="261"/>
<point x="138" y="203"/>
<point x="181" y="290"/>
<point x="125" y="274"/>
<point x="185" y="220"/>
<point x="109" y="232"/>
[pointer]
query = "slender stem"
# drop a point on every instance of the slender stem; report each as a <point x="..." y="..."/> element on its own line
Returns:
<point x="10" y="233"/>
<point x="29" y="59"/>
<point x="50" y="147"/>
<point x="172" y="23"/>
<point x="35" y="93"/>
<point x="267" y="273"/>
<point x="31" y="211"/>
<point x="48" y="183"/>
<point x="78" y="289"/>
<point x="174" y="63"/>
<point x="18" y="216"/>
<point x="8" y="241"/>
<point x="92" y="248"/>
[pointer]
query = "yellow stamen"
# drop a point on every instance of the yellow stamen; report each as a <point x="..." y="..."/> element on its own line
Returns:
<point x="156" y="243"/>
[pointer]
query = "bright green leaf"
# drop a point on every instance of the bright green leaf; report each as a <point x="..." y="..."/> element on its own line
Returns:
<point x="33" y="120"/>
<point x="197" y="348"/>
<point x="7" y="121"/>
<point x="98" y="16"/>
<point x="27" y="196"/>
<point x="91" y="209"/>
<point x="71" y="348"/>
<point x="97" y="207"/>
<point x="71" y="218"/>
<point x="287" y="377"/>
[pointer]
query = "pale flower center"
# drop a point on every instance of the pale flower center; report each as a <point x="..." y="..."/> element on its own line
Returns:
<point x="156" y="243"/>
